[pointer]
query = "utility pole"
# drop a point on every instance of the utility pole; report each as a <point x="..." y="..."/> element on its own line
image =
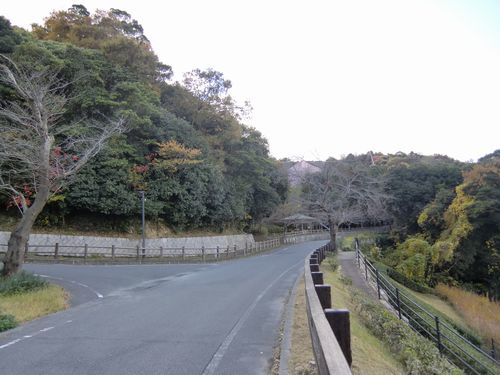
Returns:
<point x="143" y="223"/>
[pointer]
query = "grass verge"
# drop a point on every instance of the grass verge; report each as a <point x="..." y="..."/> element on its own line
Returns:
<point x="31" y="305"/>
<point x="301" y="360"/>
<point x="370" y="354"/>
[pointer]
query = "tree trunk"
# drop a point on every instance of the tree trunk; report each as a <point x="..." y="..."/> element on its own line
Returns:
<point x="333" y="234"/>
<point x="14" y="257"/>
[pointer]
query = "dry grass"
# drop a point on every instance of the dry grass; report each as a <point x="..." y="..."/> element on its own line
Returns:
<point x="480" y="314"/>
<point x="369" y="354"/>
<point x="301" y="356"/>
<point x="440" y="305"/>
<point x="32" y="305"/>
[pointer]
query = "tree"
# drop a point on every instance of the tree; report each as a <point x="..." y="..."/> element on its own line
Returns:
<point x="343" y="192"/>
<point x="113" y="32"/>
<point x="471" y="237"/>
<point x="39" y="153"/>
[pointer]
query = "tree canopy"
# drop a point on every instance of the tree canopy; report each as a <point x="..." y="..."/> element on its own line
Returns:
<point x="187" y="145"/>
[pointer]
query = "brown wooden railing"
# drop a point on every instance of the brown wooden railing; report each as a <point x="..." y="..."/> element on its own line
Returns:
<point x="329" y="328"/>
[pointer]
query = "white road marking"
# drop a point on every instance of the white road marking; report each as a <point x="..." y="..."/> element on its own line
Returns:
<point x="99" y="295"/>
<point x="10" y="343"/>
<point x="221" y="351"/>
<point x="31" y="335"/>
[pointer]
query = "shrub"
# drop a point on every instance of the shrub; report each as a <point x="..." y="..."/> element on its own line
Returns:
<point x="418" y="355"/>
<point x="409" y="283"/>
<point x="332" y="263"/>
<point x="7" y="322"/>
<point x="375" y="252"/>
<point x="21" y="283"/>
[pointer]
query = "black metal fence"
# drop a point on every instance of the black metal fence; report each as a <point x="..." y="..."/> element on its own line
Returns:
<point x="460" y="350"/>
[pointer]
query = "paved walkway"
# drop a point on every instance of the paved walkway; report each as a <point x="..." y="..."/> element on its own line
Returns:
<point x="347" y="260"/>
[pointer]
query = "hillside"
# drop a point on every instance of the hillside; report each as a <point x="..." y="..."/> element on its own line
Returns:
<point x="186" y="145"/>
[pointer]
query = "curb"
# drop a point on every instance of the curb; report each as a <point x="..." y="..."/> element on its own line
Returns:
<point x="286" y="342"/>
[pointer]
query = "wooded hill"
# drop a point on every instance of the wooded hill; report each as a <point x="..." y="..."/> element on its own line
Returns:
<point x="446" y="220"/>
<point x="201" y="167"/>
<point x="186" y="144"/>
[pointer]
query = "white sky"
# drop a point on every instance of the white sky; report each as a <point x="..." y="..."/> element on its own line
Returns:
<point x="328" y="78"/>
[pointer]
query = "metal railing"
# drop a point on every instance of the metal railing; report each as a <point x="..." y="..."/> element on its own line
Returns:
<point x="449" y="342"/>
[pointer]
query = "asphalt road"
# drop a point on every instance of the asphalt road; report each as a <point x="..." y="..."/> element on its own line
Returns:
<point x="160" y="319"/>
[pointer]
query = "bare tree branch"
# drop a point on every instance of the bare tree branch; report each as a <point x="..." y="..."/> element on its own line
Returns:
<point x="38" y="152"/>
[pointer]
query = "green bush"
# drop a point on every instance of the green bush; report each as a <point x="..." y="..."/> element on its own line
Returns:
<point x="418" y="355"/>
<point x="21" y="283"/>
<point x="7" y="322"/>
<point x="332" y="263"/>
<point x="409" y="283"/>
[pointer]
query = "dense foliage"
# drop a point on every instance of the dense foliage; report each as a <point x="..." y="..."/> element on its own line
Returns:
<point x="186" y="146"/>
<point x="22" y="282"/>
<point x="446" y="220"/>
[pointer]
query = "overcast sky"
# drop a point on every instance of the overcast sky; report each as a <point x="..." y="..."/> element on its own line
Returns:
<point x="328" y="78"/>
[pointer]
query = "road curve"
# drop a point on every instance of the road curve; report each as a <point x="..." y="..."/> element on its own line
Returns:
<point x="160" y="319"/>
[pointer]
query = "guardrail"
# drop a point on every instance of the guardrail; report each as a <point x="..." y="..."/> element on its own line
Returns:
<point x="60" y="253"/>
<point x="457" y="348"/>
<point x="329" y="328"/>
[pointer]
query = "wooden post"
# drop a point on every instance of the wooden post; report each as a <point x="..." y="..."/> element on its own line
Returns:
<point x="56" y="250"/>
<point x="26" y="249"/>
<point x="341" y="327"/>
<point x="138" y="250"/>
<point x="314" y="267"/>
<point x="366" y="270"/>
<point x="161" y="251"/>
<point x="493" y="354"/>
<point x="203" y="254"/>
<point x="113" y="252"/>
<point x="85" y="253"/>
<point x="245" y="249"/>
<point x="183" y="252"/>
<point x="235" y="248"/>
<point x="227" y="252"/>
<point x="317" y="278"/>
<point x="324" y="295"/>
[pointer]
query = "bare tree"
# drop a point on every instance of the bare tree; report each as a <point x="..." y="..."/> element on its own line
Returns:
<point x="38" y="152"/>
<point x="343" y="192"/>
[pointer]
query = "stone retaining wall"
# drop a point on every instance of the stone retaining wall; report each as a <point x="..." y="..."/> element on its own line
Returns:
<point x="45" y="240"/>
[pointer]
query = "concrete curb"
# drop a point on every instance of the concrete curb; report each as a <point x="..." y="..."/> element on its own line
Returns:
<point x="286" y="342"/>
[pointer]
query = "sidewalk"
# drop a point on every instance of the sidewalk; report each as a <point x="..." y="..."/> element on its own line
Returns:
<point x="347" y="260"/>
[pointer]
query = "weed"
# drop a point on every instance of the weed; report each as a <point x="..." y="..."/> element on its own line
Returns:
<point x="345" y="280"/>
<point x="332" y="263"/>
<point x="21" y="282"/>
<point x="7" y="322"/>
